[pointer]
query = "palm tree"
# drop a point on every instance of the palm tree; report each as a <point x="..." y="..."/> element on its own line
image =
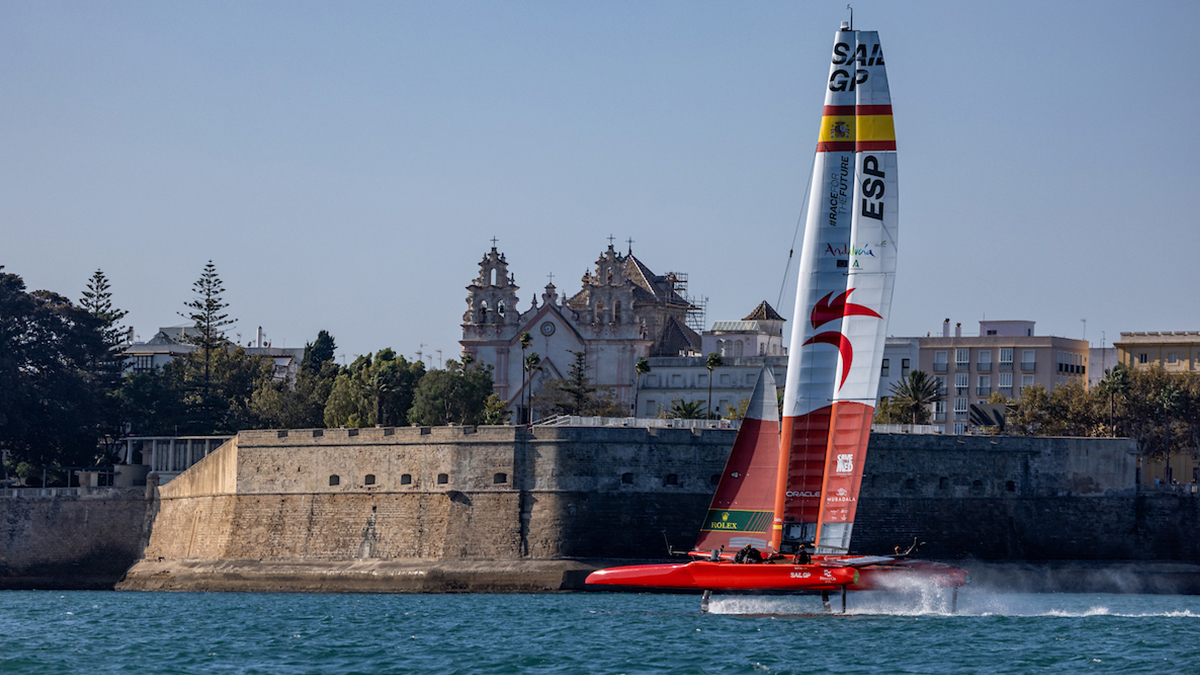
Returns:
<point x="1169" y="403"/>
<point x="1116" y="381"/>
<point x="532" y="364"/>
<point x="916" y="393"/>
<point x="687" y="410"/>
<point x="526" y="340"/>
<point x="712" y="363"/>
<point x="641" y="368"/>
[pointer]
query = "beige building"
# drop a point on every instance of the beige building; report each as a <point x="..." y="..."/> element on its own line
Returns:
<point x="1175" y="352"/>
<point x="1004" y="358"/>
<point x="623" y="312"/>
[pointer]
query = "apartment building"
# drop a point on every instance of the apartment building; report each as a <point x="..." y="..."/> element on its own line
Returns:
<point x="1004" y="358"/>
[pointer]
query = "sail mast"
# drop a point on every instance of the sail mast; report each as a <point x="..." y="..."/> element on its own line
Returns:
<point x="838" y="301"/>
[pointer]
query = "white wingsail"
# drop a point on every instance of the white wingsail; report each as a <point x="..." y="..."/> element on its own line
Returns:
<point x="847" y="270"/>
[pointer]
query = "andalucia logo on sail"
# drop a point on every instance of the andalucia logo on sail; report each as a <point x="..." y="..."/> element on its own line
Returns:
<point x="848" y="249"/>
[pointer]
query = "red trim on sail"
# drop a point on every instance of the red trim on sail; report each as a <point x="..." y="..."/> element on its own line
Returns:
<point x="871" y="110"/>
<point x="874" y="146"/>
<point x="839" y="110"/>
<point x="835" y="146"/>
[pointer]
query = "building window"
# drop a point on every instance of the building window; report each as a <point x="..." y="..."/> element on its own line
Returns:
<point x="1172" y="357"/>
<point x="991" y="332"/>
<point x="960" y="405"/>
<point x="715" y="479"/>
<point x="985" y="359"/>
<point x="143" y="363"/>
<point x="1006" y="356"/>
<point x="406" y="479"/>
<point x="724" y="379"/>
<point x="1143" y="357"/>
<point x="671" y="479"/>
<point x="910" y="483"/>
<point x="442" y="479"/>
<point x="1010" y="486"/>
<point x="1028" y="360"/>
<point x="961" y="383"/>
<point x="627" y="479"/>
<point x="939" y="362"/>
<point x="883" y="372"/>
<point x="1006" y="384"/>
<point x="651" y="408"/>
<point x="335" y="479"/>
<point x="1026" y="381"/>
<point x="984" y="387"/>
<point x="960" y="428"/>
<point x="676" y="380"/>
<point x="941" y="384"/>
<point x="369" y="479"/>
<point x="939" y="411"/>
<point x="962" y="359"/>
<point x="499" y="478"/>
<point x="702" y="380"/>
<point x="904" y="368"/>
<point x="944" y="483"/>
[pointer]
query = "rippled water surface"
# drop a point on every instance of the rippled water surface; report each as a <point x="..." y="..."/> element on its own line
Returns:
<point x="98" y="632"/>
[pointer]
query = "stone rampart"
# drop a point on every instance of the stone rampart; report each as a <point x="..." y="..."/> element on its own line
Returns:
<point x="85" y="540"/>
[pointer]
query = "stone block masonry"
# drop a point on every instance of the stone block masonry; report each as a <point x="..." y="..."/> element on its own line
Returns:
<point x="450" y="492"/>
<point x="506" y="508"/>
<point x="80" y="541"/>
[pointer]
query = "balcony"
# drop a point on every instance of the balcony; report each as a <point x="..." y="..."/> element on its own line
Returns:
<point x="962" y="366"/>
<point x="961" y="391"/>
<point x="1006" y="365"/>
<point x="983" y="391"/>
<point x="939" y="367"/>
<point x="984" y="367"/>
<point x="1006" y="391"/>
<point x="1029" y="365"/>
<point x="960" y="415"/>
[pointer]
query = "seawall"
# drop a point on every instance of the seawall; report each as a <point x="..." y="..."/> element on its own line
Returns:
<point x="85" y="540"/>
<point x="506" y="508"/>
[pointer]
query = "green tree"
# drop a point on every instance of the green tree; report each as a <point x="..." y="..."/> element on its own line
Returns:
<point x="208" y="316"/>
<point x="318" y="352"/>
<point x="1114" y="384"/>
<point x="49" y="407"/>
<point x="688" y="410"/>
<point x="107" y="365"/>
<point x="738" y="413"/>
<point x="915" y="394"/>
<point x="373" y="390"/>
<point x="495" y="412"/>
<point x="526" y="341"/>
<point x="641" y="368"/>
<point x="712" y="363"/>
<point x="456" y="395"/>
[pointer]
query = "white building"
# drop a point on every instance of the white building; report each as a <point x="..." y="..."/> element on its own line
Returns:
<point x="622" y="313"/>
<point x="169" y="343"/>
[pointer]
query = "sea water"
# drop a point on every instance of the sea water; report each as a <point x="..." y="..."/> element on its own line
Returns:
<point x="110" y="632"/>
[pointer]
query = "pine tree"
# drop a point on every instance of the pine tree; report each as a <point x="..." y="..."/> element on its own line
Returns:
<point x="208" y="315"/>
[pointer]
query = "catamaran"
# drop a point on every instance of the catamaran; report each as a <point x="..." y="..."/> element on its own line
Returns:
<point x="788" y="496"/>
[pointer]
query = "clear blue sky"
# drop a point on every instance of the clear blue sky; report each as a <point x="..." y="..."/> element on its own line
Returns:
<point x="346" y="164"/>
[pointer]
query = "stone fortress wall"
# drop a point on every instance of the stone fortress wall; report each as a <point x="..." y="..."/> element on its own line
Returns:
<point x="529" y="499"/>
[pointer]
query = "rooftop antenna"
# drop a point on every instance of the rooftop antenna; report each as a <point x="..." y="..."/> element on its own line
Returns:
<point x="851" y="16"/>
<point x="419" y="352"/>
<point x="1084" y="328"/>
<point x="439" y="353"/>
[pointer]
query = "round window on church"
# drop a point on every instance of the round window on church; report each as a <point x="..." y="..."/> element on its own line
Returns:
<point x="548" y="329"/>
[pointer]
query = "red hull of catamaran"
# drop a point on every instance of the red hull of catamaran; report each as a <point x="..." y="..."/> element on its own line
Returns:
<point x="706" y="575"/>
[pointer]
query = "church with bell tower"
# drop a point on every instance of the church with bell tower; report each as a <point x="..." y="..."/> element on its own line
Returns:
<point x="623" y="312"/>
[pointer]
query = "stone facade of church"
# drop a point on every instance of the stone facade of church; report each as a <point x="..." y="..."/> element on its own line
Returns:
<point x="623" y="312"/>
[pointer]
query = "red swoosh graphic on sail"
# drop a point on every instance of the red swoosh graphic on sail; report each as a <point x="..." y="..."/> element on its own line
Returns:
<point x="825" y="310"/>
<point x="842" y="343"/>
